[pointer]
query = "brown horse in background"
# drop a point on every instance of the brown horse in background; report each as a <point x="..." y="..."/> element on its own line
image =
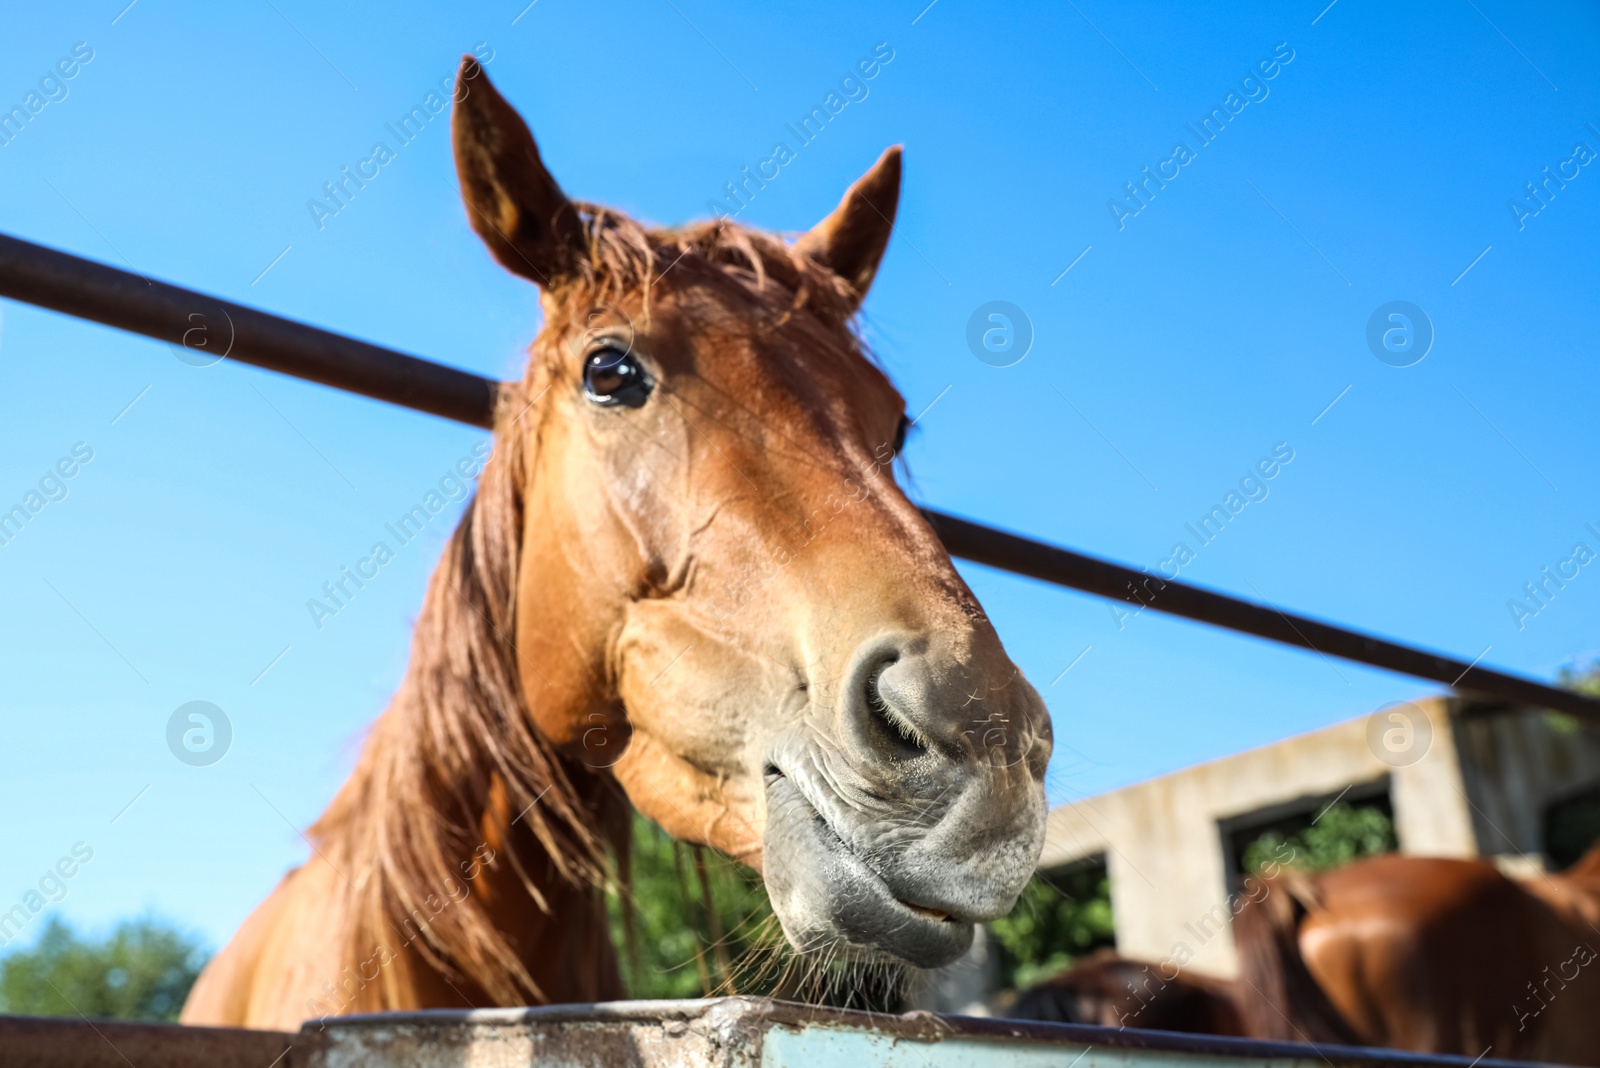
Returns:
<point x="688" y="581"/>
<point x="1427" y="954"/>
<point x="1416" y="953"/>
<point x="1112" y="991"/>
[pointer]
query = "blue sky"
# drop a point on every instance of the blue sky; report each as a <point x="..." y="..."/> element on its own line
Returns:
<point x="1184" y="344"/>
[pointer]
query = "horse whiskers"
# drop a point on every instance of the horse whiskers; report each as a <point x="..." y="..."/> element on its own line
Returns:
<point x="827" y="977"/>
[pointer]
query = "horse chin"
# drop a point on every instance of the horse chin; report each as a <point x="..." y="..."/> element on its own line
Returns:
<point x="828" y="898"/>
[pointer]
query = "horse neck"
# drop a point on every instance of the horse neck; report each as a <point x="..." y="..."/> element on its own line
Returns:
<point x="479" y="848"/>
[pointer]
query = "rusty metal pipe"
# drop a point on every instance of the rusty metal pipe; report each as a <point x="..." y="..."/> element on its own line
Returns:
<point x="209" y="325"/>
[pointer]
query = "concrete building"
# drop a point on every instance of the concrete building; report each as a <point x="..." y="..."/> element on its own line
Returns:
<point x="1460" y="778"/>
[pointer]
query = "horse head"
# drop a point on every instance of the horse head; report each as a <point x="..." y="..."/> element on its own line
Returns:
<point x="723" y="598"/>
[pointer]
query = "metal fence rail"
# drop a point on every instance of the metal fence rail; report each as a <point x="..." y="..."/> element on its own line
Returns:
<point x="94" y="291"/>
<point x="206" y="325"/>
<point x="730" y="1032"/>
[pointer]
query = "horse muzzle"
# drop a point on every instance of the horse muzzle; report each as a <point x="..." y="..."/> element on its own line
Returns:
<point x="908" y="812"/>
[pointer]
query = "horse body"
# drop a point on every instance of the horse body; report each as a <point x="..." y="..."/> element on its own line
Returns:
<point x="1111" y="991"/>
<point x="1427" y="954"/>
<point x="688" y="583"/>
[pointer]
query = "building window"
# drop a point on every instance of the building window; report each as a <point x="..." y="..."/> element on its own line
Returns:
<point x="1571" y="827"/>
<point x="1314" y="832"/>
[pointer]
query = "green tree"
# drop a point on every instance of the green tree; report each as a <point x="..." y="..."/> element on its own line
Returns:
<point x="143" y="971"/>
<point x="1341" y="834"/>
<point x="1057" y="920"/>
<point x="1585" y="678"/>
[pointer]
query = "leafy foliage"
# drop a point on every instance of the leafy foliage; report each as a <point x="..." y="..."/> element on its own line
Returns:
<point x="1343" y="833"/>
<point x="143" y="971"/>
<point x="700" y="922"/>
<point x="1584" y="679"/>
<point x="1057" y="920"/>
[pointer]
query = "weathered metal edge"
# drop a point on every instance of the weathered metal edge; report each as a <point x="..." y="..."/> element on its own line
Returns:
<point x="47" y="1041"/>
<point x="749" y="1013"/>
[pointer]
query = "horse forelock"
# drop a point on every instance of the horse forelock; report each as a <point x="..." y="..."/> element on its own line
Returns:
<point x="625" y="259"/>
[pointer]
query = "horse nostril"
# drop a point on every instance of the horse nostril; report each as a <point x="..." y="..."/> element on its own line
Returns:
<point x="895" y="727"/>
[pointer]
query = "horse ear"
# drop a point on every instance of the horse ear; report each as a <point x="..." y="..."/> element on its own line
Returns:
<point x="852" y="239"/>
<point x="512" y="201"/>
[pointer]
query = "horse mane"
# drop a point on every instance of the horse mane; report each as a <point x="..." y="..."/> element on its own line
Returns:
<point x="412" y="814"/>
<point x="458" y="738"/>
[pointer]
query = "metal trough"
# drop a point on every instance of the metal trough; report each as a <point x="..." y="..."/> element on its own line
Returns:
<point x="736" y="1032"/>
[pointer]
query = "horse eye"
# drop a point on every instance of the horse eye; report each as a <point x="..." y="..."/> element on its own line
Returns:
<point x="611" y="376"/>
<point x="900" y="435"/>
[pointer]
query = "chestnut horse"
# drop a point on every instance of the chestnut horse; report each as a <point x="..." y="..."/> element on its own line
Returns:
<point x="1112" y="991"/>
<point x="688" y="581"/>
<point x="1427" y="954"/>
<point x="1417" y="953"/>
